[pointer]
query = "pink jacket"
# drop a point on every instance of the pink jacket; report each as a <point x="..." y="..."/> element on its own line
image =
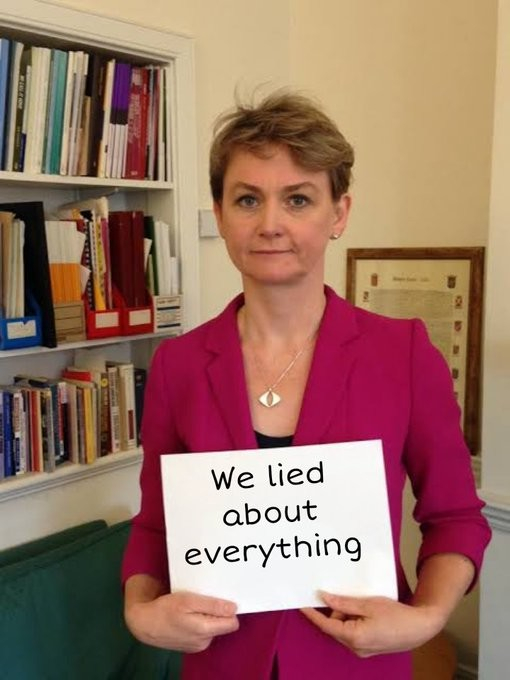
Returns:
<point x="371" y="378"/>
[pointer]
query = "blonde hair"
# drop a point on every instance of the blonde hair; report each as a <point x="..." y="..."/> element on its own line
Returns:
<point x="288" y="119"/>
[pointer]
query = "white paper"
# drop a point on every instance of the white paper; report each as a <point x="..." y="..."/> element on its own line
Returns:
<point x="330" y="492"/>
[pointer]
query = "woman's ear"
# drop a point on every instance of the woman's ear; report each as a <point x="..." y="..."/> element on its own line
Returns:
<point x="342" y="210"/>
<point x="219" y="217"/>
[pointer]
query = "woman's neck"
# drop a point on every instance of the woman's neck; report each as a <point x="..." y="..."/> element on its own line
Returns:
<point x="280" y="315"/>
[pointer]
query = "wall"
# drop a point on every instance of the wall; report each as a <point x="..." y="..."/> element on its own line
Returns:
<point x="495" y="590"/>
<point x="411" y="85"/>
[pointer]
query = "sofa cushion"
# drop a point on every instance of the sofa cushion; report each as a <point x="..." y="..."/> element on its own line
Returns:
<point x="61" y="613"/>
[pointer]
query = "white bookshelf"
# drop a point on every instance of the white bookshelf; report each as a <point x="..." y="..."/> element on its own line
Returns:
<point x="174" y="201"/>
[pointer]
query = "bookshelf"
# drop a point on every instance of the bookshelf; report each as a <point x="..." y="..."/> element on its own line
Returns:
<point x="112" y="481"/>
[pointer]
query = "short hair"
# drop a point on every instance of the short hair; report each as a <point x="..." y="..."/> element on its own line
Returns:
<point x="288" y="119"/>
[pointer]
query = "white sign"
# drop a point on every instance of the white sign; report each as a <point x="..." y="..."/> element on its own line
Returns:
<point x="269" y="528"/>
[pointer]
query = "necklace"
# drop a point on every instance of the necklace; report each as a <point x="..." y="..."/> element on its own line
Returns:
<point x="270" y="398"/>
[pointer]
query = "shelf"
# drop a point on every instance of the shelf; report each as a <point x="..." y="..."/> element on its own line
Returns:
<point x="63" y="347"/>
<point x="61" y="181"/>
<point x="35" y="482"/>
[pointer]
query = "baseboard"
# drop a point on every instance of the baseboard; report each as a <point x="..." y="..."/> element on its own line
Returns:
<point x="465" y="672"/>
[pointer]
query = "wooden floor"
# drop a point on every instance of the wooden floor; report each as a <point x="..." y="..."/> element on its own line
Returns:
<point x="436" y="660"/>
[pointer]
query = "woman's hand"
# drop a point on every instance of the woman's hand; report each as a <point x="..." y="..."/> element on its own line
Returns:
<point x="376" y="625"/>
<point x="184" y="622"/>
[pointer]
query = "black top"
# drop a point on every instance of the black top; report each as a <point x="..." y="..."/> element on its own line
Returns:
<point x="266" y="441"/>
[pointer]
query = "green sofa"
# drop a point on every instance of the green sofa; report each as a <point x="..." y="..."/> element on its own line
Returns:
<point x="61" y="611"/>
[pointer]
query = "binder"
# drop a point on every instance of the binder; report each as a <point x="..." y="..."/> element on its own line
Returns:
<point x="37" y="270"/>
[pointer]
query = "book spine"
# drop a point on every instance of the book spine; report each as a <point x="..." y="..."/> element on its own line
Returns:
<point x="49" y="127"/>
<point x="10" y="123"/>
<point x="5" y="50"/>
<point x="2" y="436"/>
<point x="104" y="415"/>
<point x="114" y="409"/>
<point x="64" y="428"/>
<point x="10" y="470"/>
<point x="47" y="436"/>
<point x="22" y="98"/>
<point x="36" y="455"/>
<point x="90" y="432"/>
<point x="16" y="431"/>
<point x="80" y="415"/>
<point x="140" y="379"/>
<point x="127" y="386"/>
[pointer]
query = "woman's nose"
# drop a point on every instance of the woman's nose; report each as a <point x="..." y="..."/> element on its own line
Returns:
<point x="271" y="220"/>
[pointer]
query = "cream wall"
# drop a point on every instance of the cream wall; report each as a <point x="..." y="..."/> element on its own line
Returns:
<point x="411" y="85"/>
<point x="495" y="589"/>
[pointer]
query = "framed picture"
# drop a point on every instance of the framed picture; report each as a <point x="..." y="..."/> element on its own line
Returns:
<point x="444" y="288"/>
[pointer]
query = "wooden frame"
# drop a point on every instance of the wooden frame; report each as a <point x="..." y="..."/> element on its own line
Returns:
<point x="443" y="287"/>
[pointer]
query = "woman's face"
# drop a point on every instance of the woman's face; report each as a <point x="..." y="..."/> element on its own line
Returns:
<point x="277" y="217"/>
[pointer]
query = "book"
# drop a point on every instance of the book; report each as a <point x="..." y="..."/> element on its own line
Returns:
<point x="5" y="52"/>
<point x="49" y="126"/>
<point x="107" y="106"/>
<point x="87" y="417"/>
<point x="133" y="167"/>
<point x="121" y="254"/>
<point x="41" y="109"/>
<point x="114" y="436"/>
<point x="100" y="379"/>
<point x="58" y="410"/>
<point x="122" y="121"/>
<point x="36" y="264"/>
<point x="2" y="433"/>
<point x="92" y="211"/>
<point x="7" y="453"/>
<point x="140" y="379"/>
<point x="66" y="115"/>
<point x="36" y="451"/>
<point x="94" y="87"/>
<point x="21" y="109"/>
<point x="128" y="436"/>
<point x="73" y="434"/>
<point x="10" y="122"/>
<point x="32" y="91"/>
<point x="17" y="416"/>
<point x="11" y="262"/>
<point x="58" y="118"/>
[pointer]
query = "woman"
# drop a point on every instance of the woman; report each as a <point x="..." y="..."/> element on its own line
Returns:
<point x="289" y="362"/>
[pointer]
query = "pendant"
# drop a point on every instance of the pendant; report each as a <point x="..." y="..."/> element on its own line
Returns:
<point x="270" y="398"/>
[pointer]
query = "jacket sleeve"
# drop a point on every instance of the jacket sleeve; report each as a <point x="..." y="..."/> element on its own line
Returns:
<point x="146" y="549"/>
<point x="438" y="461"/>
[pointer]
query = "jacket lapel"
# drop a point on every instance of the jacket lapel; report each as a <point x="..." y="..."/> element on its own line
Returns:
<point x="226" y="376"/>
<point x="325" y="397"/>
<point x="325" y="401"/>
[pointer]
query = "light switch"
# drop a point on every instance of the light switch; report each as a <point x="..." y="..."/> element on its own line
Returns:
<point x="207" y="227"/>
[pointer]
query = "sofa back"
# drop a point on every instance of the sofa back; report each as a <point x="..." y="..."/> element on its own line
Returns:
<point x="61" y="612"/>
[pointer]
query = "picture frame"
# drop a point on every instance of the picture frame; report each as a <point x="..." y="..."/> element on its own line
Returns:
<point x="444" y="288"/>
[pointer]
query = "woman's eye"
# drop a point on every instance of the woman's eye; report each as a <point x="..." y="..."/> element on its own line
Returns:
<point x="247" y="201"/>
<point x="298" y="201"/>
